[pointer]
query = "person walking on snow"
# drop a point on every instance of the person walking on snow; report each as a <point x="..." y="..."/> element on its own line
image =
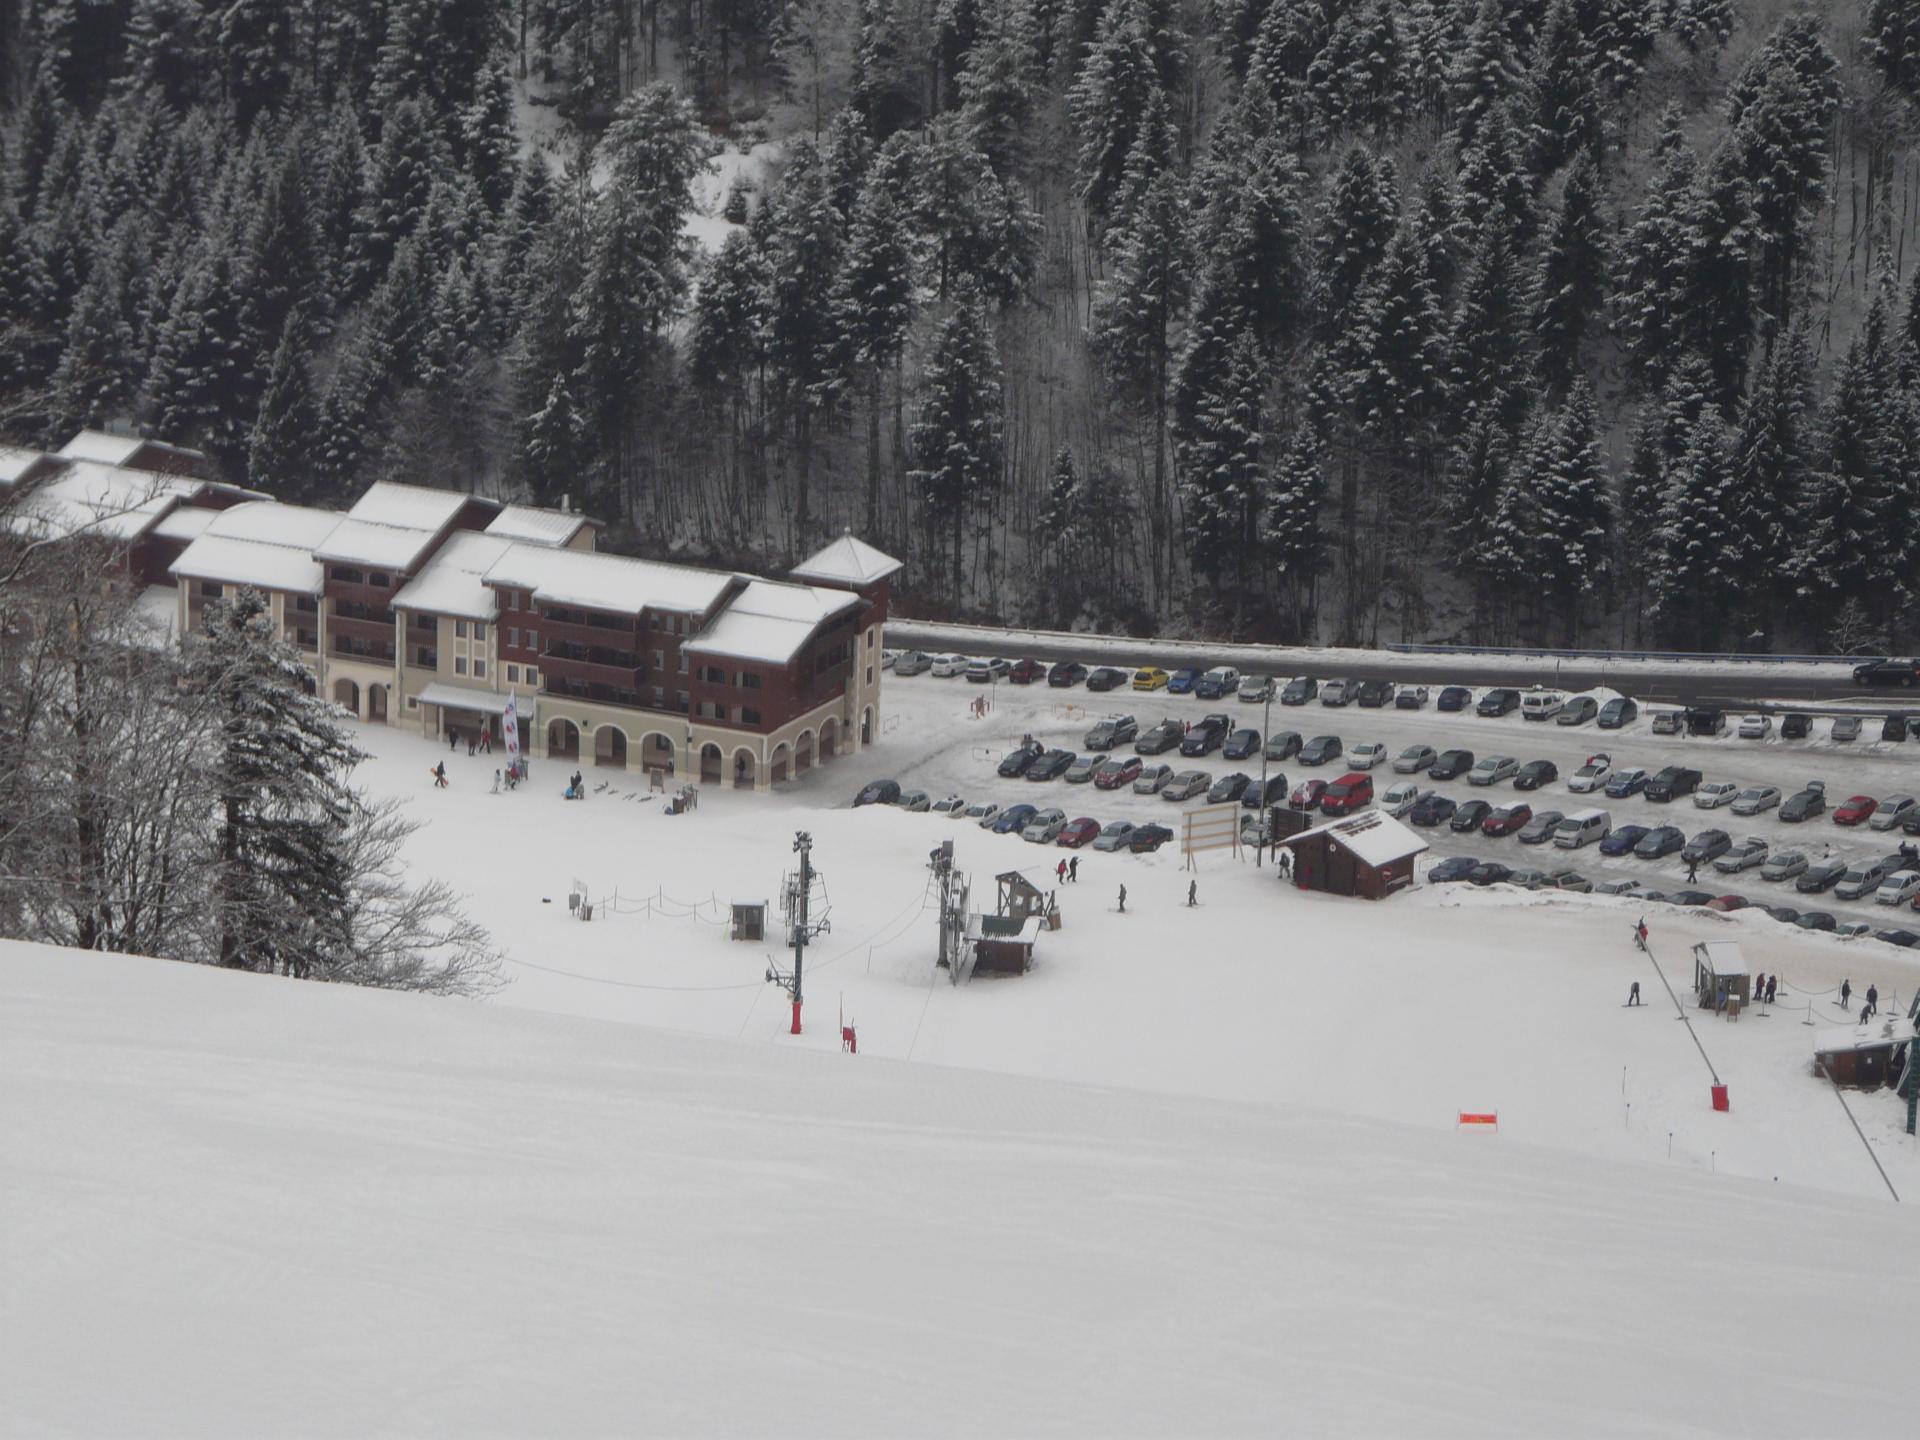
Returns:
<point x="1693" y="871"/>
<point x="453" y="738"/>
<point x="1123" y="899"/>
<point x="1073" y="870"/>
<point x="1640" y="933"/>
<point x="1846" y="993"/>
<point x="1193" y="891"/>
<point x="1633" y="995"/>
<point x="1773" y="987"/>
<point x="1873" y="999"/>
<point x="1060" y="873"/>
<point x="440" y="776"/>
<point x="496" y="782"/>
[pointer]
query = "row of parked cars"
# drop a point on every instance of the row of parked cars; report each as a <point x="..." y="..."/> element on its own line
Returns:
<point x="1050" y="826"/>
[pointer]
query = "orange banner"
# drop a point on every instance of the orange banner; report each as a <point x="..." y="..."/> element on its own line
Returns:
<point x="1489" y="1119"/>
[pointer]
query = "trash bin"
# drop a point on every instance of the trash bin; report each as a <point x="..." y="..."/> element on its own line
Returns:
<point x="1720" y="1098"/>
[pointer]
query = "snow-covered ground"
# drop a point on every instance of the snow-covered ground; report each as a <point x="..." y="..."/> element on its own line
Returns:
<point x="236" y="1205"/>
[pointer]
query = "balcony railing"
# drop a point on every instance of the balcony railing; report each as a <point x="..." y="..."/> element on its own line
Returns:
<point x="587" y="690"/>
<point x="424" y="658"/>
<point x="591" y="672"/>
<point x="349" y="648"/>
<point x="358" y="610"/>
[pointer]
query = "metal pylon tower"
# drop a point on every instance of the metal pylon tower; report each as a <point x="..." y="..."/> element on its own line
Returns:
<point x="804" y="918"/>
<point x="954" y="890"/>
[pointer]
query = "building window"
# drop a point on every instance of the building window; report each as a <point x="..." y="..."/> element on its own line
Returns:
<point x="480" y="630"/>
<point x="680" y="701"/>
<point x="513" y="599"/>
<point x="347" y="575"/>
<point x="413" y="702"/>
<point x="210" y="589"/>
<point x="459" y="629"/>
<point x="513" y="639"/>
<point x="749" y="715"/>
<point x="683" y="662"/>
<point x="659" y="697"/>
<point x="533" y="676"/>
<point x="749" y="680"/>
<point x="533" y="639"/>
<point x="869" y="639"/>
<point x="379" y="577"/>
<point x="869" y="674"/>
<point x="513" y="674"/>
<point x="459" y="664"/>
<point x="659" y="659"/>
<point x="479" y="669"/>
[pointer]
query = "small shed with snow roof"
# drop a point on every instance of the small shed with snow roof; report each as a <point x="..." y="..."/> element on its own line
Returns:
<point x="1720" y="974"/>
<point x="1370" y="854"/>
<point x="1865" y="1056"/>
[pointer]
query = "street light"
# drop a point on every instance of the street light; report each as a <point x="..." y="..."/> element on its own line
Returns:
<point x="1266" y="729"/>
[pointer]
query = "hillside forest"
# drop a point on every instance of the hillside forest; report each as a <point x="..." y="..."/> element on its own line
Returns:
<point x="1503" y="321"/>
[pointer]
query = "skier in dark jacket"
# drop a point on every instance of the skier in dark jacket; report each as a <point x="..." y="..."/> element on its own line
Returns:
<point x="1873" y="999"/>
<point x="1846" y="993"/>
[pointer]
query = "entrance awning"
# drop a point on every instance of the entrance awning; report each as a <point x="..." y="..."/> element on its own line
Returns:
<point x="458" y="697"/>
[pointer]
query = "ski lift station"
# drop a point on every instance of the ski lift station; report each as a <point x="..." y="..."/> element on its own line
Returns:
<point x="1369" y="854"/>
<point x="1865" y="1057"/>
<point x="1004" y="941"/>
<point x="1720" y="974"/>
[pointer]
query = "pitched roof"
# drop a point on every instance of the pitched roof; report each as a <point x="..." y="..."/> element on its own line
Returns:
<point x="1372" y="837"/>
<point x="367" y="542"/>
<point x="15" y="461"/>
<point x="96" y="499"/>
<point x="275" y="523"/>
<point x="99" y="446"/>
<point x="451" y="583"/>
<point x="847" y="561"/>
<point x="594" y="581"/>
<point x="260" y="563"/>
<point x="185" y="522"/>
<point x="411" y="507"/>
<point x="536" y="526"/>
<point x="769" y="621"/>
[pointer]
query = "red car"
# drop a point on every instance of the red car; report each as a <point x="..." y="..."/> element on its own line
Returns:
<point x="1348" y="794"/>
<point x="1724" y="903"/>
<point x="1117" y="772"/>
<point x="1860" y="808"/>
<point x="1079" y="832"/>
<point x="1506" y="819"/>
<point x="1306" y="795"/>
<point x="1025" y="672"/>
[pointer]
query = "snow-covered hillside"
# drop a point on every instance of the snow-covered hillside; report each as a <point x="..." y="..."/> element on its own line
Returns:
<point x="243" y="1206"/>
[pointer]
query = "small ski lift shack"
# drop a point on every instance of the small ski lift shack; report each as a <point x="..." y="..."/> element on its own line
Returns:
<point x="749" y="920"/>
<point x="1865" y="1057"/>
<point x="1720" y="974"/>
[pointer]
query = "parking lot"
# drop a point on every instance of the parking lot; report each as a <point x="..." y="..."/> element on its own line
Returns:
<point x="1060" y="717"/>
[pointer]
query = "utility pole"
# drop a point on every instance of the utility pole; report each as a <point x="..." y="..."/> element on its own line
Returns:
<point x="800" y="923"/>
<point x="1266" y="733"/>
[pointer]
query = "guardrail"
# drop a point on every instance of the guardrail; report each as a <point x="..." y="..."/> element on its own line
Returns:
<point x="1688" y="656"/>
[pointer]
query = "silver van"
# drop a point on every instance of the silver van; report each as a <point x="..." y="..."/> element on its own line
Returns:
<point x="1583" y="827"/>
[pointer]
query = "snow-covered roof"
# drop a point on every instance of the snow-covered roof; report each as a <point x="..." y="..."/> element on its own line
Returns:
<point x="451" y="584"/>
<point x="98" y="445"/>
<point x="1027" y="934"/>
<point x="1722" y="957"/>
<point x="769" y="621"/>
<point x="15" y="461"/>
<point x="273" y="523"/>
<point x="1372" y="837"/>
<point x="594" y="581"/>
<point x="185" y="522"/>
<point x="259" y="563"/>
<point x="1882" y="1030"/>
<point x="535" y="526"/>
<point x="459" y="697"/>
<point x="847" y="561"/>
<point x="411" y="507"/>
<point x="98" y="499"/>
<point x="367" y="542"/>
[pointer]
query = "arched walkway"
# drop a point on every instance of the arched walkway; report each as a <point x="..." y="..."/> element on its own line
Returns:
<point x="376" y="702"/>
<point x="610" y="746"/>
<point x="780" y="763"/>
<point x="656" y="752"/>
<point x="347" y="693"/>
<point x="866" y="726"/>
<point x="563" y="740"/>
<point x="712" y="764"/>
<point x="743" y="769"/>
<point x="829" y="740"/>
<point x="803" y="753"/>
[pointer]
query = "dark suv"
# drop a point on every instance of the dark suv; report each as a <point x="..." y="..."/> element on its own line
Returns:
<point x="1888" y="672"/>
<point x="1498" y="702"/>
<point x="1207" y="736"/>
<point x="1376" y="694"/>
<point x="1671" y="783"/>
<point x="1451" y="765"/>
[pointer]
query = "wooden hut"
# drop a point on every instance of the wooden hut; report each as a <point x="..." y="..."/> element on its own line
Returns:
<point x="1370" y="854"/>
<point x="1720" y="974"/>
<point x="1019" y="899"/>
<point x="749" y="920"/>
<point x="1865" y="1057"/>
<point x="1001" y="943"/>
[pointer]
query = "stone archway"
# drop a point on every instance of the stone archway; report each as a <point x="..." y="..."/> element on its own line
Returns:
<point x="829" y="740"/>
<point x="803" y="753"/>
<point x="347" y="693"/>
<point x="610" y="746"/>
<point x="712" y="764"/>
<point x="744" y="769"/>
<point x="563" y="740"/>
<point x="656" y="752"/>
<point x="376" y="702"/>
<point x="866" y="726"/>
<point x="780" y="765"/>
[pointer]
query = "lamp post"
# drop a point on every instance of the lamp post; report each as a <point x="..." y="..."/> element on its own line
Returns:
<point x="1266" y="729"/>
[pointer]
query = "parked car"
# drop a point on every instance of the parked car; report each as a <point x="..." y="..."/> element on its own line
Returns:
<point x="1498" y="702"/>
<point x="1590" y="776"/>
<point x="1259" y="795"/>
<point x="1228" y="788"/>
<point x="1181" y="682"/>
<point x="1256" y="689"/>
<point x="1661" y="841"/>
<point x="945" y="667"/>
<point x="983" y="813"/>
<point x="912" y="662"/>
<point x="1899" y="888"/>
<point x="1619" y="887"/>
<point x="1894" y="729"/>
<point x="1756" y="727"/>
<point x="1414" y="759"/>
<point x="1742" y="855"/>
<point x="1106" y="678"/>
<point x="1081" y="770"/>
<point x="1506" y="819"/>
<point x="1623" y="783"/>
<point x="1150" y="677"/>
<point x="1540" y="828"/>
<point x="1066" y="673"/>
<point x="1025" y="672"/>
<point x="1452" y="870"/>
<point x="1755" y="799"/>
<point x="988" y="669"/>
<point x="1785" y="914"/>
<point x="1402" y="797"/>
<point x="1020" y="761"/>
<point x="1044" y="828"/>
<point x="1891" y="812"/>
<point x="1161" y="738"/>
<point x="1820" y="876"/>
<point x="1411" y="697"/>
<point x="1727" y="904"/>
<point x="1577" y="711"/>
<point x="1706" y="720"/>
<point x="1856" y="811"/>
<point x="1784" y="865"/>
<point x="1667" y="722"/>
<point x="1454" y="697"/>
<point x="1451" y="765"/>
<point x="1114" y="835"/>
<point x="1151" y="779"/>
<point x="1691" y="899"/>
<point x="1490" y="872"/>
<point x="1910" y="822"/>
<point x="1817" y="920"/>
<point x="1534" y="774"/>
<point x="878" y="792"/>
<point x="1052" y="765"/>
<point x="1671" y="783"/>
<point x="1218" y="683"/>
<point x="1469" y="815"/>
<point x="1433" y="810"/>
<point x="1707" y="845"/>
<point x="1863" y="877"/>
<point x="1887" y="672"/>
<point x="1796" y="727"/>
<point x="1300" y="690"/>
<point x="1208" y="735"/>
<point x="1622" y="840"/>
<point x="1148" y="838"/>
<point x="1114" y="730"/>
<point x="1241" y="744"/>
<point x="1571" y="881"/>
<point x="1117" y="772"/>
<point x="1339" y="692"/>
<point x="1375" y="694"/>
<point x="1366" y="755"/>
<point x="1540" y="704"/>
<point x="1492" y="769"/>
<point x="917" y="801"/>
<point x="1805" y="805"/>
<point x="1714" y="793"/>
<point x="1185" y="785"/>
<point x="1905" y="939"/>
<point x="1351" y="792"/>
<point x="1075" y="833"/>
<point x="1846" y="728"/>
<point x="951" y="805"/>
<point x="1617" y="712"/>
<point x="1307" y="794"/>
<point x="1013" y="819"/>
<point x="1282" y="745"/>
<point x="1320" y="750"/>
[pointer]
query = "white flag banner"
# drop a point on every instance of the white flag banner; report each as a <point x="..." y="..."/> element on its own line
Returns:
<point x="510" y="724"/>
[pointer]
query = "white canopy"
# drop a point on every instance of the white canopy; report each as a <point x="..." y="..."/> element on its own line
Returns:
<point x="459" y="697"/>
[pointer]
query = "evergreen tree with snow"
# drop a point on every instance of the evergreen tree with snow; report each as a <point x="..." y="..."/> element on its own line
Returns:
<point x="1771" y="451"/>
<point x="1569" y="508"/>
<point x="1697" y="564"/>
<point x="1655" y="261"/>
<point x="957" y="443"/>
<point x="1109" y="99"/>
<point x="1489" y="351"/>
<point x="1219" y="453"/>
<point x="1486" y="77"/>
<point x="1357" y="223"/>
<point x="258" y="41"/>
<point x="1701" y="25"/>
<point x="488" y="140"/>
<point x="400" y="178"/>
<point x="1892" y="42"/>
<point x="286" y="432"/>
<point x="204" y="382"/>
<point x="1571" y="290"/>
<point x="1292" y="538"/>
<point x="1566" y="111"/>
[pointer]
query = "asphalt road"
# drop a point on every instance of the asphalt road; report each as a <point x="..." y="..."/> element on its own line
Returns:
<point x="1722" y="685"/>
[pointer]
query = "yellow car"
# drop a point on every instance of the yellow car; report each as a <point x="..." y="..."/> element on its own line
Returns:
<point x="1151" y="678"/>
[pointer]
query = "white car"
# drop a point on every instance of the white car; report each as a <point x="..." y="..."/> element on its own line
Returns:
<point x="1893" y="810"/>
<point x="1756" y="727"/>
<point x="1755" y="798"/>
<point x="1045" y="828"/>
<point x="983" y="812"/>
<point x="1590" y="776"/>
<point x="1899" y="888"/>
<point x="887" y="657"/>
<point x="1712" y="794"/>
<point x="1151" y="779"/>
<point x="1619" y="887"/>
<point x="952" y="805"/>
<point x="1401" y="798"/>
<point x="945" y="667"/>
<point x="1366" y="755"/>
<point x="1414" y="760"/>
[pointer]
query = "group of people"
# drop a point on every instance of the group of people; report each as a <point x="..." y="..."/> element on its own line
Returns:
<point x="479" y="742"/>
<point x="1868" y="1010"/>
<point x="1067" y="870"/>
<point x="1765" y="987"/>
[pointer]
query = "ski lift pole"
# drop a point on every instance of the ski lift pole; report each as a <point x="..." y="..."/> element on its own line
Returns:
<point x="803" y="843"/>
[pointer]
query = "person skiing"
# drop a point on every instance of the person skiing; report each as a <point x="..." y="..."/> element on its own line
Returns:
<point x="1123" y="899"/>
<point x="1073" y="870"/>
<point x="1633" y="995"/>
<point x="1193" y="891"/>
<point x="440" y="776"/>
<point x="1640" y="933"/>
